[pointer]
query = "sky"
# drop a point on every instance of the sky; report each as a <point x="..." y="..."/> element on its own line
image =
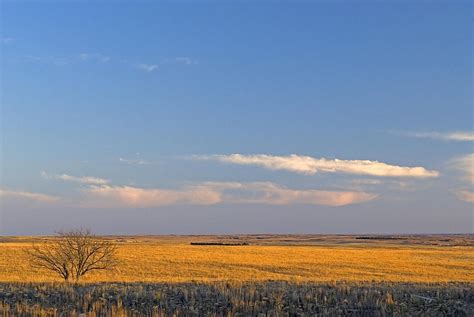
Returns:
<point x="207" y="117"/>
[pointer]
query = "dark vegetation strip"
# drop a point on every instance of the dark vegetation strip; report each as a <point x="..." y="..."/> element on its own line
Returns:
<point x="380" y="238"/>
<point x="219" y="243"/>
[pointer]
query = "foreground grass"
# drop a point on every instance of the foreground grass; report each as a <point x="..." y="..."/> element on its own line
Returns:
<point x="237" y="299"/>
<point x="174" y="260"/>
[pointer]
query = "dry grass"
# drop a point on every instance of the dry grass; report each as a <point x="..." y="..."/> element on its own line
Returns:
<point x="236" y="299"/>
<point x="173" y="259"/>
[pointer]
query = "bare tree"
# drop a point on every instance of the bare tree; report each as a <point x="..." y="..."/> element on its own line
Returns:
<point x="72" y="254"/>
<point x="52" y="257"/>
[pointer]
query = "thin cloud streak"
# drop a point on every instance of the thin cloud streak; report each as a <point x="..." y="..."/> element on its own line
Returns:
<point x="458" y="136"/>
<point x="82" y="180"/>
<point x="69" y="59"/>
<point x="310" y="165"/>
<point x="99" y="58"/>
<point x="147" y="67"/>
<point x="27" y="195"/>
<point x="185" y="60"/>
<point x="211" y="193"/>
<point x="134" y="161"/>
<point x="94" y="57"/>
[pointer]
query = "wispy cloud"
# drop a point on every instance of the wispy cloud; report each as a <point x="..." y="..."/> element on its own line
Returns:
<point x="94" y="57"/>
<point x="99" y="58"/>
<point x="27" y="195"/>
<point x="82" y="180"/>
<point x="136" y="161"/>
<point x="51" y="60"/>
<point x="465" y="195"/>
<point x="123" y="196"/>
<point x="147" y="67"/>
<point x="68" y="59"/>
<point x="211" y="193"/>
<point x="366" y="182"/>
<point x="459" y="136"/>
<point x="465" y="164"/>
<point x="185" y="60"/>
<point x="274" y="194"/>
<point x="310" y="165"/>
<point x="6" y="40"/>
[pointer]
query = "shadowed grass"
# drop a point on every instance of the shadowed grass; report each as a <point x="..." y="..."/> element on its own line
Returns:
<point x="234" y="299"/>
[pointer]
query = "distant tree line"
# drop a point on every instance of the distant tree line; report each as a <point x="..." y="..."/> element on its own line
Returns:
<point x="220" y="243"/>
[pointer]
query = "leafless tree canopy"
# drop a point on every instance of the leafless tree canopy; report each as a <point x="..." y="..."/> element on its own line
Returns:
<point x="73" y="254"/>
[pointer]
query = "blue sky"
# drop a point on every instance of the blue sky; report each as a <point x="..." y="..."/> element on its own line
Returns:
<point x="207" y="117"/>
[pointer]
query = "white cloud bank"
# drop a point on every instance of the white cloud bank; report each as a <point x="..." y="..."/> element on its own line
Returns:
<point x="211" y="193"/>
<point x="27" y="195"/>
<point x="81" y="180"/>
<point x="310" y="165"/>
<point x="459" y="136"/>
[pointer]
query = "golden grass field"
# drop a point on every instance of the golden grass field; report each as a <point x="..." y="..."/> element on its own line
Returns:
<point x="289" y="258"/>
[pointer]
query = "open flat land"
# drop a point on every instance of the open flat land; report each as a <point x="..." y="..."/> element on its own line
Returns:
<point x="294" y="258"/>
<point x="253" y="275"/>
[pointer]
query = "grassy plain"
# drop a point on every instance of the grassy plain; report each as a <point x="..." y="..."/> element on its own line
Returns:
<point x="303" y="258"/>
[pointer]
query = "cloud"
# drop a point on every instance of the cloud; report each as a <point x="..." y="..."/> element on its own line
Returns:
<point x="184" y="60"/>
<point x="390" y="186"/>
<point x="270" y="193"/>
<point x="94" y="57"/>
<point x="444" y="136"/>
<point x="27" y="195"/>
<point x="362" y="182"/>
<point x="309" y="165"/>
<point x="465" y="164"/>
<point x="84" y="57"/>
<point x="133" y="161"/>
<point x="147" y="67"/>
<point x="211" y="193"/>
<point x="6" y="40"/>
<point x="465" y="195"/>
<point x="68" y="59"/>
<point x="82" y="180"/>
<point x="54" y="60"/>
<point x="120" y="196"/>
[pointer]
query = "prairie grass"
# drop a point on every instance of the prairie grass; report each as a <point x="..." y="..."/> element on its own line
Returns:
<point x="174" y="260"/>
